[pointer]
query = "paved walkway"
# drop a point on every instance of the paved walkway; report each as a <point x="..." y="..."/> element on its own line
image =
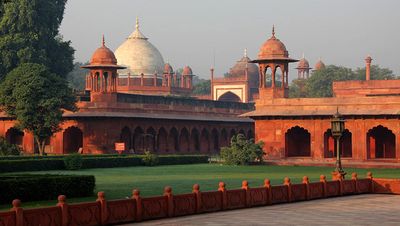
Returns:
<point x="351" y="210"/>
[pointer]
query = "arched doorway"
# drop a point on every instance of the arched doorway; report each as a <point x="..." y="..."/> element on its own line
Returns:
<point x="162" y="140"/>
<point x="194" y="141"/>
<point x="268" y="77"/>
<point x="230" y="97"/>
<point x="15" y="136"/>
<point x="150" y="140"/>
<point x="345" y="144"/>
<point x="173" y="140"/>
<point x="381" y="143"/>
<point x="126" y="137"/>
<point x="298" y="142"/>
<point x="232" y="134"/>
<point x="224" y="138"/>
<point x="215" y="139"/>
<point x="138" y="140"/>
<point x="204" y="141"/>
<point x="184" y="140"/>
<point x="72" y="140"/>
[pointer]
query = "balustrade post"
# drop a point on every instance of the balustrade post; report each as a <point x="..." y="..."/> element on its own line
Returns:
<point x="222" y="189"/>
<point x="19" y="212"/>
<point x="101" y="197"/>
<point x="170" y="200"/>
<point x="196" y="191"/>
<point x="354" y="179"/>
<point x="245" y="186"/>
<point x="288" y="184"/>
<point x="322" y="179"/>
<point x="267" y="186"/>
<point x="306" y="183"/>
<point x="372" y="187"/>
<point x="62" y="203"/>
<point x="138" y="201"/>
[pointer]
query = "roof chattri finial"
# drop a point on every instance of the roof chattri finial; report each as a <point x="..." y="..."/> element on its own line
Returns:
<point x="103" y="42"/>
<point x="137" y="23"/>
<point x="273" y="30"/>
<point x="245" y="52"/>
<point x="303" y="56"/>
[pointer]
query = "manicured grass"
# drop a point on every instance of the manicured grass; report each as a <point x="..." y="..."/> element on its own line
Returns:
<point x="118" y="183"/>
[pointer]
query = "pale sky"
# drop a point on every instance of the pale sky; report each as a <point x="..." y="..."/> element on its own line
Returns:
<point x="186" y="32"/>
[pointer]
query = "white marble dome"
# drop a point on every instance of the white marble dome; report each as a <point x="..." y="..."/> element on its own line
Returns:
<point x="139" y="56"/>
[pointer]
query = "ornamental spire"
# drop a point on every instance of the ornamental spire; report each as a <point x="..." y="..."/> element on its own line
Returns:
<point x="273" y="30"/>
<point x="103" y="42"/>
<point x="137" y="34"/>
<point x="137" y="23"/>
<point x="245" y="52"/>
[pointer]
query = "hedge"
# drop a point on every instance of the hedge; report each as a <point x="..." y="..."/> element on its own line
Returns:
<point x="44" y="187"/>
<point x="42" y="164"/>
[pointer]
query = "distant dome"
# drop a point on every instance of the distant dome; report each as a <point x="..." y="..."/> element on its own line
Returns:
<point x="319" y="65"/>
<point x="239" y="68"/>
<point x="103" y="56"/>
<point x="139" y="55"/>
<point x="273" y="48"/>
<point x="187" y="71"/>
<point x="168" y="69"/>
<point x="303" y="64"/>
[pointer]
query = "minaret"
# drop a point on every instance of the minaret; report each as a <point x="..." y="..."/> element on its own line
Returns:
<point x="368" y="61"/>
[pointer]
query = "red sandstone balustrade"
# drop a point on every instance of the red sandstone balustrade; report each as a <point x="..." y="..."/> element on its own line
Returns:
<point x="134" y="209"/>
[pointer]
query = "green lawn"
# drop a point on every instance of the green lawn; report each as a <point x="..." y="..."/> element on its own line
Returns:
<point x="118" y="183"/>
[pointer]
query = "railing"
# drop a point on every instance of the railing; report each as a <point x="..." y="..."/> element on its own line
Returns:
<point x="136" y="208"/>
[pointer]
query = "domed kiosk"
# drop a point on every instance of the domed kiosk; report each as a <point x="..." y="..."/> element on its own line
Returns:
<point x="303" y="68"/>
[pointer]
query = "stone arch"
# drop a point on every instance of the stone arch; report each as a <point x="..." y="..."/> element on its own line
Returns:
<point x="126" y="137"/>
<point x="298" y="142"/>
<point x="381" y="143"/>
<point x="233" y="133"/>
<point x="173" y="140"/>
<point x="184" y="140"/>
<point x="229" y="97"/>
<point x="194" y="140"/>
<point x="15" y="136"/>
<point x="215" y="141"/>
<point x="224" y="140"/>
<point x="345" y="144"/>
<point x="150" y="140"/>
<point x="72" y="140"/>
<point x="204" y="141"/>
<point x="278" y="76"/>
<point x="162" y="140"/>
<point x="268" y="76"/>
<point x="138" y="140"/>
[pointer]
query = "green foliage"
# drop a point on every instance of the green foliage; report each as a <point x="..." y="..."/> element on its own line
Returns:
<point x="242" y="151"/>
<point x="320" y="82"/>
<point x="7" y="149"/>
<point x="36" y="98"/>
<point x="29" y="33"/>
<point x="76" y="78"/>
<point x="150" y="159"/>
<point x="42" y="163"/>
<point x="201" y="86"/>
<point x="73" y="162"/>
<point x="32" y="187"/>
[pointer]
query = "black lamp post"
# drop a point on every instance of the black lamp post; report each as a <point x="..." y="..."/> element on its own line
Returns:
<point x="337" y="129"/>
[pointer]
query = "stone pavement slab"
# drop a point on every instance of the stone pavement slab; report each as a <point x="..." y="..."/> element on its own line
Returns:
<point x="348" y="210"/>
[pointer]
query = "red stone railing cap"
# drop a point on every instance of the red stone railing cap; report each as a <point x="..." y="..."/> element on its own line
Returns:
<point x="221" y="186"/>
<point x="286" y="180"/>
<point x="62" y="199"/>
<point x="267" y="182"/>
<point x="136" y="192"/>
<point x="354" y="176"/>
<point x="167" y="190"/>
<point x="322" y="178"/>
<point x="196" y="188"/>
<point x="101" y="195"/>
<point x="245" y="184"/>
<point x="369" y="174"/>
<point x="16" y="203"/>
<point x="306" y="180"/>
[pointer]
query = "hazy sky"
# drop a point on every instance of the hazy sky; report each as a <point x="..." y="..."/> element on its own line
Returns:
<point x="341" y="32"/>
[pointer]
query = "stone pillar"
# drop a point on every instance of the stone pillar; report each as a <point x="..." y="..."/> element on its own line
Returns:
<point x="212" y="81"/>
<point x="155" y="80"/>
<point x="141" y="79"/>
<point x="368" y="61"/>
<point x="273" y="77"/>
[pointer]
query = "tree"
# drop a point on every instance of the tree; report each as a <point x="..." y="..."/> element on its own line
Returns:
<point x="37" y="99"/>
<point x="377" y="73"/>
<point x="76" y="78"/>
<point x="29" y="33"/>
<point x="242" y="151"/>
<point x="297" y="89"/>
<point x="201" y="86"/>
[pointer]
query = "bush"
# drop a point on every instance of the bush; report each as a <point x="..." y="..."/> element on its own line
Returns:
<point x="7" y="149"/>
<point x="150" y="159"/>
<point x="41" y="163"/>
<point x="44" y="187"/>
<point x="242" y="151"/>
<point x="73" y="162"/>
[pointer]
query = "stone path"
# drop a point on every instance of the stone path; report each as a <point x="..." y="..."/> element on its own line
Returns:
<point x="351" y="210"/>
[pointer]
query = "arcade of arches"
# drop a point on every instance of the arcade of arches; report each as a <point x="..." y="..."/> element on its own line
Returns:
<point x="312" y="139"/>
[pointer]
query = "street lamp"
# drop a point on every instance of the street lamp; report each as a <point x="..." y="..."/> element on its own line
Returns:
<point x="337" y="129"/>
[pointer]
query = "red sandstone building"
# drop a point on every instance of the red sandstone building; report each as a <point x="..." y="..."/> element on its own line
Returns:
<point x="141" y="109"/>
<point x="297" y="130"/>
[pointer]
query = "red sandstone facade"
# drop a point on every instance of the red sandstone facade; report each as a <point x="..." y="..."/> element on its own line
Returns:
<point x="297" y="131"/>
